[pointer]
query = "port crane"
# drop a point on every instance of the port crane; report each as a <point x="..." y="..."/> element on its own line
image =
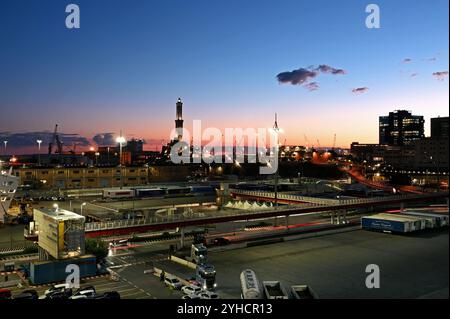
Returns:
<point x="55" y="142"/>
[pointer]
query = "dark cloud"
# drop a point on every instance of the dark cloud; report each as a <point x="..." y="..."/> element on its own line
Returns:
<point x="413" y="75"/>
<point x="407" y="60"/>
<point x="360" y="90"/>
<point x="328" y="69"/>
<point x="105" y="139"/>
<point x="30" y="139"/>
<point x="441" y="75"/>
<point x="433" y="59"/>
<point x="312" y="86"/>
<point x="302" y="76"/>
<point x="296" y="77"/>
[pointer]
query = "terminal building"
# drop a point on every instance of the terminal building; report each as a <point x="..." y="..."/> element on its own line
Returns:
<point x="61" y="244"/>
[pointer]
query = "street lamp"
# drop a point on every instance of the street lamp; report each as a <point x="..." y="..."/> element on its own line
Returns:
<point x="5" y="142"/>
<point x="39" y="151"/>
<point x="96" y="158"/>
<point x="276" y="131"/>
<point x="81" y="208"/>
<point x="121" y="140"/>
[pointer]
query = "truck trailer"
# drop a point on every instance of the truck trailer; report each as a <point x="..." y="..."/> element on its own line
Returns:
<point x="441" y="220"/>
<point x="387" y="224"/>
<point x="274" y="290"/>
<point x="302" y="292"/>
<point x="251" y="288"/>
<point x="418" y="222"/>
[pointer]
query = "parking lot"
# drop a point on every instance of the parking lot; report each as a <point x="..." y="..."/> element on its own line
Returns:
<point x="103" y="284"/>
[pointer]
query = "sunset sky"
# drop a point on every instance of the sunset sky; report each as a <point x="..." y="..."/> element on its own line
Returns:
<point x="125" y="68"/>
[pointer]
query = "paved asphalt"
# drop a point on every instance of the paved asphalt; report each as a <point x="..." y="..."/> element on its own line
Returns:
<point x="412" y="266"/>
<point x="334" y="265"/>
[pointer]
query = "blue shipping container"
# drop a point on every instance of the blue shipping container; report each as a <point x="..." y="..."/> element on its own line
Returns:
<point x="383" y="224"/>
<point x="44" y="272"/>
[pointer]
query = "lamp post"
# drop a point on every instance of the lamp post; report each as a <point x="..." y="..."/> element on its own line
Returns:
<point x="121" y="140"/>
<point x="39" y="152"/>
<point x="6" y="143"/>
<point x="276" y="130"/>
<point x="96" y="158"/>
<point x="81" y="208"/>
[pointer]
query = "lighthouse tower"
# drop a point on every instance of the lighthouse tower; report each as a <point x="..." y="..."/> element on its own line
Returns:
<point x="179" y="120"/>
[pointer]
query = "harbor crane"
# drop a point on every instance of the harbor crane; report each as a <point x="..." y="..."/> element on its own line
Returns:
<point x="55" y="142"/>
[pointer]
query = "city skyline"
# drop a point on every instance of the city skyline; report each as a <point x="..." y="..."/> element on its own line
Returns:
<point x="125" y="69"/>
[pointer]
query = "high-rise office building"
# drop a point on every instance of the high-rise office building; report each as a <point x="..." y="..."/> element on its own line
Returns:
<point x="401" y="128"/>
<point x="439" y="127"/>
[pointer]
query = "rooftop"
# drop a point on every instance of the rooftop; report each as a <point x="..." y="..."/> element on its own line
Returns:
<point x="60" y="214"/>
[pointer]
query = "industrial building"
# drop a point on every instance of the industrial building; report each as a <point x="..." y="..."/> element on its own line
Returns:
<point x="96" y="177"/>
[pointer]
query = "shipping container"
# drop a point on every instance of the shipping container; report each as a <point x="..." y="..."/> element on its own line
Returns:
<point x="419" y="223"/>
<point x="441" y="220"/>
<point x="386" y="224"/>
<point x="430" y="222"/>
<point x="45" y="272"/>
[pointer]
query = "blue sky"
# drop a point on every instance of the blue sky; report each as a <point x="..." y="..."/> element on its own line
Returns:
<point x="131" y="60"/>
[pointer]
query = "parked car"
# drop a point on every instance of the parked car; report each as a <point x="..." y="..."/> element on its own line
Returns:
<point x="191" y="289"/>
<point x="84" y="292"/>
<point x="5" y="294"/>
<point x="208" y="295"/>
<point x="191" y="296"/>
<point x="172" y="282"/>
<point x="57" y="288"/>
<point x="221" y="241"/>
<point x="27" y="294"/>
<point x="64" y="294"/>
<point x="108" y="295"/>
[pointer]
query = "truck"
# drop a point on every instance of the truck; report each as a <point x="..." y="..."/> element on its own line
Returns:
<point x="251" y="288"/>
<point x="205" y="275"/>
<point x="302" y="292"/>
<point x="274" y="290"/>
<point x="199" y="253"/>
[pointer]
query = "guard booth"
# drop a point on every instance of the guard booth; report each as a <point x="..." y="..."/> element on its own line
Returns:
<point x="9" y="266"/>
